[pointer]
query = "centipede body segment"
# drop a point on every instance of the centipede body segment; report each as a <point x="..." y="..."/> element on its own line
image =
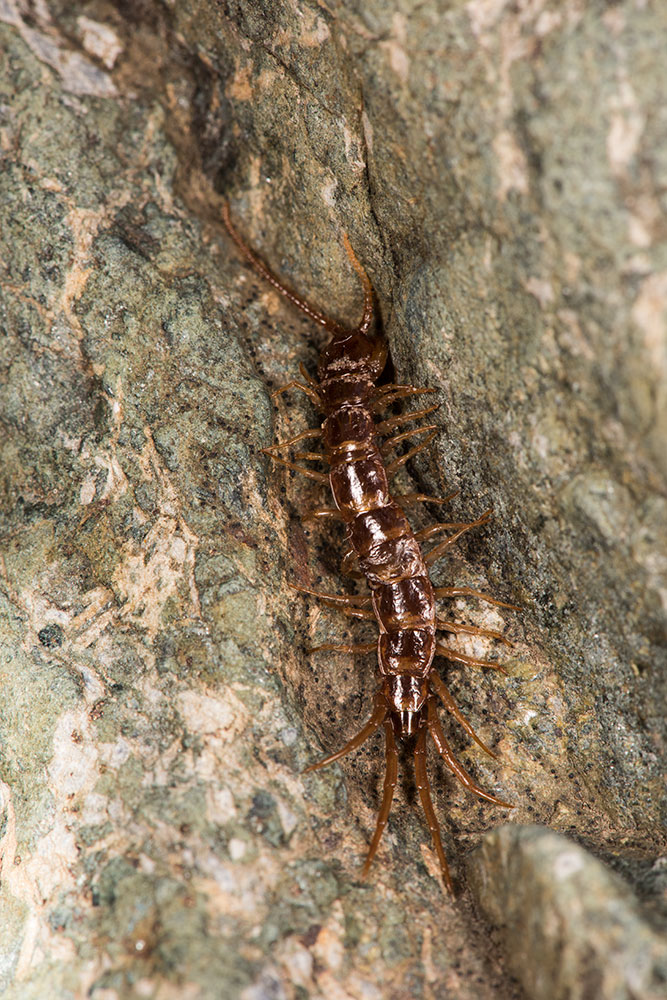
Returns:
<point x="382" y="547"/>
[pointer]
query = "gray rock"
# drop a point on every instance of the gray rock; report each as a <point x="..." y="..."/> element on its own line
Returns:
<point x="569" y="927"/>
<point x="499" y="170"/>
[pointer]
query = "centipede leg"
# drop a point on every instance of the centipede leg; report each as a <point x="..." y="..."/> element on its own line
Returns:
<point x="346" y="565"/>
<point x="318" y="477"/>
<point x="404" y="418"/>
<point x="345" y="600"/>
<point x="406" y="499"/>
<point x="435" y="553"/>
<point x="310" y="456"/>
<point x="469" y="592"/>
<point x="392" y="442"/>
<point x="453" y="709"/>
<point x="295" y="440"/>
<point x="452" y="763"/>
<point x="391" y="387"/>
<point x="321" y="512"/>
<point x="376" y="719"/>
<point x="347" y="606"/>
<point x="306" y="374"/>
<point x="425" y="533"/>
<point x="388" y="394"/>
<point x="455" y="628"/>
<point x="368" y="616"/>
<point x="392" y="467"/>
<point x="421" y="777"/>
<point x="295" y="384"/>
<point x="332" y="647"/>
<point x="390" y="778"/>
<point x="468" y="661"/>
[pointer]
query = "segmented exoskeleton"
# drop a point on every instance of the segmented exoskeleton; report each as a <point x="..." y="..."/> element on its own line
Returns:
<point x="402" y="599"/>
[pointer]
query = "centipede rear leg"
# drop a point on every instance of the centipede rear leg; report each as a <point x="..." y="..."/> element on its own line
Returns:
<point x="445" y="697"/>
<point x="389" y="786"/>
<point x="378" y="716"/>
<point x="451" y="761"/>
<point x="423" y="787"/>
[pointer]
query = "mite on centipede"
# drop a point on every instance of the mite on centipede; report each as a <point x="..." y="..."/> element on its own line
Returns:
<point x="402" y="599"/>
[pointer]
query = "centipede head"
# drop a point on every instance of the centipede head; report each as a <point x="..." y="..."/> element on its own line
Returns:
<point x="352" y="352"/>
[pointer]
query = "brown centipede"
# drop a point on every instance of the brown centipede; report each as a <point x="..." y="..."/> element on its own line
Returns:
<point x="402" y="599"/>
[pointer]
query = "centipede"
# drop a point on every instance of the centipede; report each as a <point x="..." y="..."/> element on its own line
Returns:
<point x="383" y="549"/>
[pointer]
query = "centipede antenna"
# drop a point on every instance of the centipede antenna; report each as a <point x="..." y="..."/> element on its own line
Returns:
<point x="329" y="324"/>
<point x="367" y="317"/>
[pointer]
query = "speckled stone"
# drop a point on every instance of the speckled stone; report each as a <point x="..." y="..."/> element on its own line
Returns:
<point x="499" y="169"/>
<point x="569" y="927"/>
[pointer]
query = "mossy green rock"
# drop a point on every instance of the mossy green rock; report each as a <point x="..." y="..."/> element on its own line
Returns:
<point x="499" y="171"/>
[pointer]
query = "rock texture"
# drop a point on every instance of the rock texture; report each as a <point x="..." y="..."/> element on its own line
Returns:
<point x="500" y="170"/>
<point x="551" y="900"/>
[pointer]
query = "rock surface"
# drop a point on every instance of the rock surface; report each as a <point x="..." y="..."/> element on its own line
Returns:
<point x="500" y="171"/>
<point x="567" y="926"/>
